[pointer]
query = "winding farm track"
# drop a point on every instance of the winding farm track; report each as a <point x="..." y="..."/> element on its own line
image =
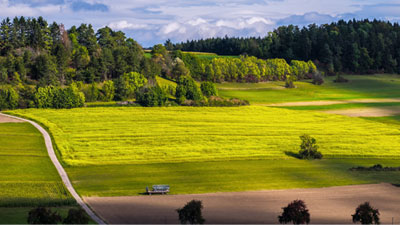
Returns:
<point x="57" y="164"/>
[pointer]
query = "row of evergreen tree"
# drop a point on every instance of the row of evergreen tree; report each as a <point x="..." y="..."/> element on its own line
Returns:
<point x="345" y="46"/>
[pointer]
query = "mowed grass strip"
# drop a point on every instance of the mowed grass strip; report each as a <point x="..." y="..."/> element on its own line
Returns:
<point x="27" y="177"/>
<point x="358" y="87"/>
<point x="136" y="135"/>
<point x="227" y="176"/>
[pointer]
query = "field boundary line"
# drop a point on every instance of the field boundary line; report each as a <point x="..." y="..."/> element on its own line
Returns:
<point x="60" y="169"/>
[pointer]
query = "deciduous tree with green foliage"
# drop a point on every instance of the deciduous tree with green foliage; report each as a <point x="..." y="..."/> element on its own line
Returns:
<point x="191" y="213"/>
<point x="309" y="148"/>
<point x="8" y="98"/>
<point x="151" y="96"/>
<point x="76" y="216"/>
<point x="296" y="212"/>
<point x="108" y="91"/>
<point x="208" y="89"/>
<point x="366" y="214"/>
<point x="127" y="85"/>
<point x="187" y="89"/>
<point x="41" y="215"/>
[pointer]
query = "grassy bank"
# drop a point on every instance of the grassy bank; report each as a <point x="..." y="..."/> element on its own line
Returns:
<point x="360" y="86"/>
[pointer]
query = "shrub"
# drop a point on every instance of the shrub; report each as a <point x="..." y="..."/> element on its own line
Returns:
<point x="41" y="215"/>
<point x="295" y="212"/>
<point x="289" y="82"/>
<point x="108" y="91"/>
<point x="318" y="79"/>
<point x="8" y="98"/>
<point x="51" y="97"/>
<point x="67" y="98"/>
<point x="340" y="79"/>
<point x="187" y="89"/>
<point x="218" y="101"/>
<point x="76" y="216"/>
<point x="44" y="97"/>
<point x="27" y="96"/>
<point x="208" y="89"/>
<point x="309" y="148"/>
<point x="92" y="93"/>
<point x="151" y="96"/>
<point x="366" y="214"/>
<point x="191" y="213"/>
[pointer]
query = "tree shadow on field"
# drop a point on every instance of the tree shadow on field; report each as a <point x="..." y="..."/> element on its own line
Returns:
<point x="292" y="154"/>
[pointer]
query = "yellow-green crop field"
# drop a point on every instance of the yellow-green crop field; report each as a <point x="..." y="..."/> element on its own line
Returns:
<point x="135" y="135"/>
<point x="116" y="151"/>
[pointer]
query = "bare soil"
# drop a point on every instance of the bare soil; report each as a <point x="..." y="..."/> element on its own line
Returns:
<point x="367" y="112"/>
<point x="326" y="205"/>
<point x="335" y="102"/>
<point x="6" y="119"/>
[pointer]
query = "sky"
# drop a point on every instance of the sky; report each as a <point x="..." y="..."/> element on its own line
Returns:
<point x="154" y="21"/>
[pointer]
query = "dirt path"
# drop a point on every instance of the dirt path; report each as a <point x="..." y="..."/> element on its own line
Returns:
<point x="326" y="205"/>
<point x="58" y="166"/>
<point x="367" y="112"/>
<point x="6" y="119"/>
<point x="335" y="102"/>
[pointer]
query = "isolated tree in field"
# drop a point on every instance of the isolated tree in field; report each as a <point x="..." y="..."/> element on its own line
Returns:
<point x="296" y="212"/>
<point x="76" y="216"/>
<point x="191" y="213"/>
<point x="309" y="148"/>
<point x="41" y="215"/>
<point x="366" y="214"/>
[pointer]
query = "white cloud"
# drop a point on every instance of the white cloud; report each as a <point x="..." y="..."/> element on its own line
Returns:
<point x="196" y="22"/>
<point x="123" y="24"/>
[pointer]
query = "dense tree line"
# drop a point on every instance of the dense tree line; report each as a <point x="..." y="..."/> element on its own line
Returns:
<point x="33" y="51"/>
<point x="345" y="46"/>
<point x="47" y="66"/>
<point x="242" y="69"/>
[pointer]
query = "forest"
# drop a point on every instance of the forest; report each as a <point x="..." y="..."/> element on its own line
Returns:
<point x="48" y="66"/>
<point x="353" y="46"/>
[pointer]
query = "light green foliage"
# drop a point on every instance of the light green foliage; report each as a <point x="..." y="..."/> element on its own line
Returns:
<point x="8" y="98"/>
<point x="28" y="178"/>
<point x="80" y="56"/>
<point x="98" y="136"/>
<point x="167" y="86"/>
<point x="44" y="97"/>
<point x="52" y="97"/>
<point x="300" y="69"/>
<point x="108" y="91"/>
<point x="128" y="84"/>
<point x="92" y="93"/>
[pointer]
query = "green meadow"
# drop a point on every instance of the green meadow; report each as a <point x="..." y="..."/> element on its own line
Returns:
<point x="360" y="86"/>
<point x="121" y="150"/>
<point x="27" y="178"/>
